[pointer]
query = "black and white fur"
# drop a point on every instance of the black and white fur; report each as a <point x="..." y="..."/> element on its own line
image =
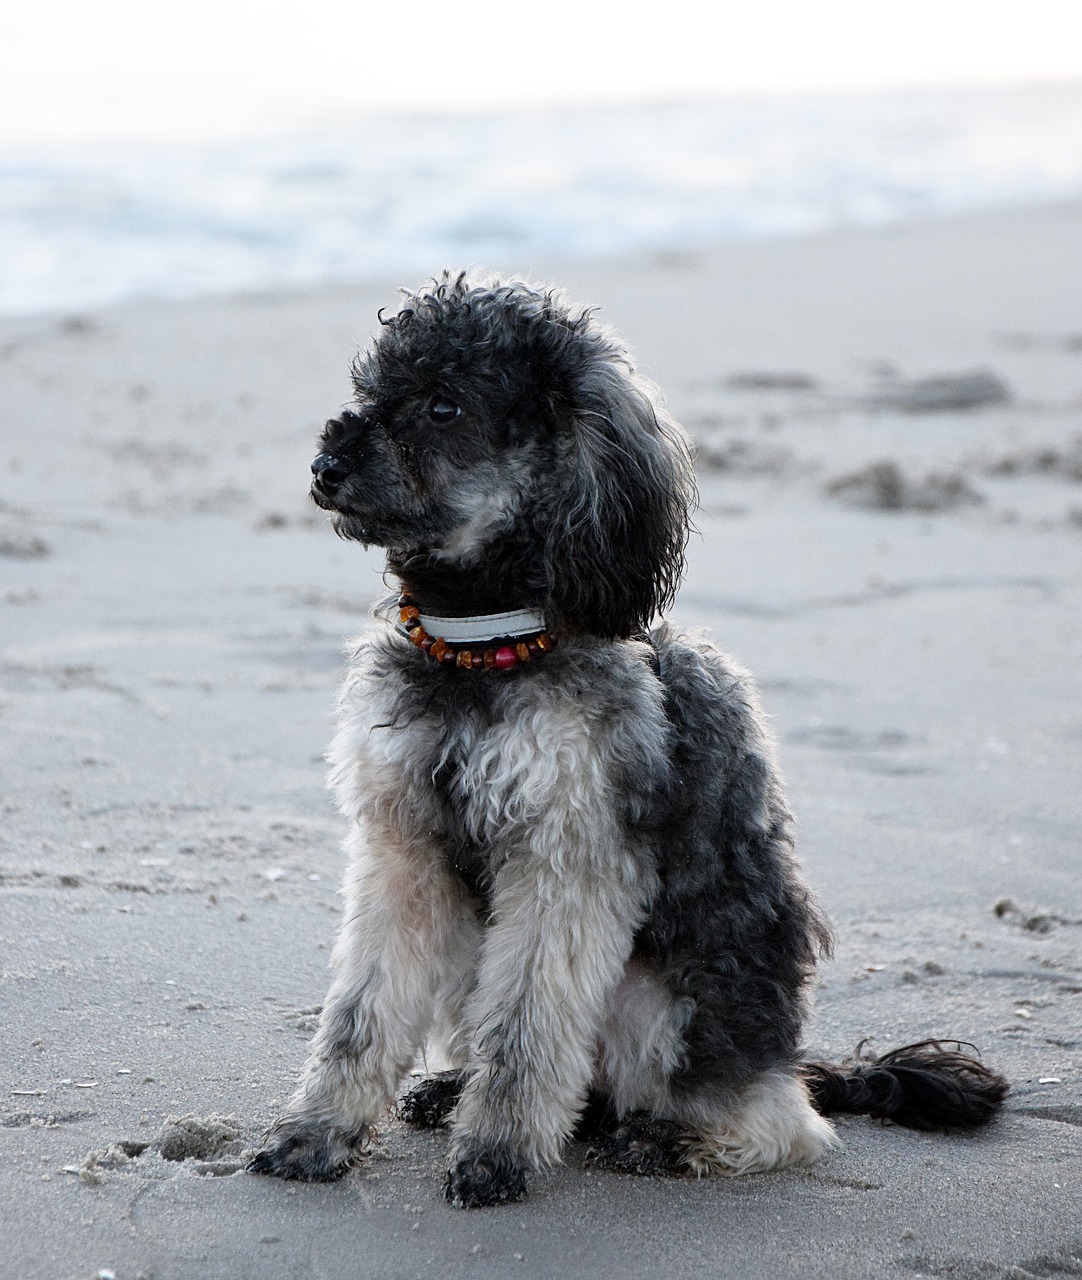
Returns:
<point x="575" y="878"/>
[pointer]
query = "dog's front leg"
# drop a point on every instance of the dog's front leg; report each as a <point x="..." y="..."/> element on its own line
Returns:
<point x="558" y="942"/>
<point x="407" y="925"/>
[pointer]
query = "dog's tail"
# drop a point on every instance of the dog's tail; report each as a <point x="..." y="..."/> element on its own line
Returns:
<point x="929" y="1085"/>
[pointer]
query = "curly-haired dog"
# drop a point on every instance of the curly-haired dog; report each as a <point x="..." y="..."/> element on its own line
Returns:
<point x="571" y="857"/>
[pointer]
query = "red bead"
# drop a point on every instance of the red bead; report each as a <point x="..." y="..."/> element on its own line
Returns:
<point x="506" y="658"/>
<point x="427" y="643"/>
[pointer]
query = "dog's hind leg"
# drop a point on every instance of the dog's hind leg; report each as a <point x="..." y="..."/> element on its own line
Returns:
<point x="768" y="1124"/>
<point x="556" y="948"/>
<point x="409" y="922"/>
<point x="658" y="1125"/>
<point x="430" y="1102"/>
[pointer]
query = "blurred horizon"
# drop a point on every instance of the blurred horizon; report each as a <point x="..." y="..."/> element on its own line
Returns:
<point x="92" y="224"/>
<point x="243" y="144"/>
<point x="227" y="68"/>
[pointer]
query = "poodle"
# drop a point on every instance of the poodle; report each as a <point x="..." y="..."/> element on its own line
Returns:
<point x="571" y="866"/>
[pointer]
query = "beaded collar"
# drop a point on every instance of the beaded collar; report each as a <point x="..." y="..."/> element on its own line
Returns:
<point x="492" y="642"/>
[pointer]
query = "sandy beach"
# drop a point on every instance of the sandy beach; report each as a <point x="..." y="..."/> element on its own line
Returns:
<point x="890" y="536"/>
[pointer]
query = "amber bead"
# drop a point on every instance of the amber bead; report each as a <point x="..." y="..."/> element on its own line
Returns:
<point x="439" y="648"/>
<point x="418" y="635"/>
<point x="410" y="611"/>
<point x="523" y="651"/>
<point x="465" y="658"/>
<point x="490" y="658"/>
<point x="545" y="642"/>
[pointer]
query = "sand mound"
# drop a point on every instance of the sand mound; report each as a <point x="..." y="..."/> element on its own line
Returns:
<point x="885" y="487"/>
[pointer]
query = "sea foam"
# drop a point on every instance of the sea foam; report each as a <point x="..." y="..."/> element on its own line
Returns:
<point x="404" y="195"/>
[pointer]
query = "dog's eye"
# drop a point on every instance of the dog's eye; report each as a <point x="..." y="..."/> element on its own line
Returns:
<point x="443" y="411"/>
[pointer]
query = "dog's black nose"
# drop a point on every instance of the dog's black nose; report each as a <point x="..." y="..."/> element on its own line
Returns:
<point x="328" y="471"/>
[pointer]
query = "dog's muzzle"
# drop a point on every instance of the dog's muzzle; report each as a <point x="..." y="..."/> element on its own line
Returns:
<point x="328" y="472"/>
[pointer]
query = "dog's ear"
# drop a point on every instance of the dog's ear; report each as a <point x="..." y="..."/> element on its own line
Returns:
<point x="615" y="551"/>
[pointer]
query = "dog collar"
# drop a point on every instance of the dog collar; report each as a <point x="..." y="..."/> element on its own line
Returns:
<point x="484" y="627"/>
<point x="497" y="641"/>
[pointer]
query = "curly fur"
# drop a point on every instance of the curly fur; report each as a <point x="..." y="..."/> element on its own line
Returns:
<point x="576" y="877"/>
<point x="928" y="1085"/>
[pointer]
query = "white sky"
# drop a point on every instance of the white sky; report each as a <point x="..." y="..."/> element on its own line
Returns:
<point x="77" y="68"/>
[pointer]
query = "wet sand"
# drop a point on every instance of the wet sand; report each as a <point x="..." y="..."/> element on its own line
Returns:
<point x="890" y="536"/>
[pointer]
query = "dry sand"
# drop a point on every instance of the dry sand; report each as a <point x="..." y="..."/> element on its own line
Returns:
<point x="899" y="559"/>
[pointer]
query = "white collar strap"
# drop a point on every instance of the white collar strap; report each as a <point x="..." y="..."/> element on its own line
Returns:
<point x="485" y="626"/>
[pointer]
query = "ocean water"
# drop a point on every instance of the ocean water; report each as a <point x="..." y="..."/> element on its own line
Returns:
<point x="344" y="199"/>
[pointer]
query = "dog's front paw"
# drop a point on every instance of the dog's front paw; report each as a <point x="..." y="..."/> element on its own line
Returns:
<point x="490" y="1177"/>
<point x="310" y="1155"/>
<point x="428" y="1105"/>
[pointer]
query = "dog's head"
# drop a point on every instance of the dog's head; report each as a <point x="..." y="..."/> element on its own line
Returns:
<point x="504" y="451"/>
